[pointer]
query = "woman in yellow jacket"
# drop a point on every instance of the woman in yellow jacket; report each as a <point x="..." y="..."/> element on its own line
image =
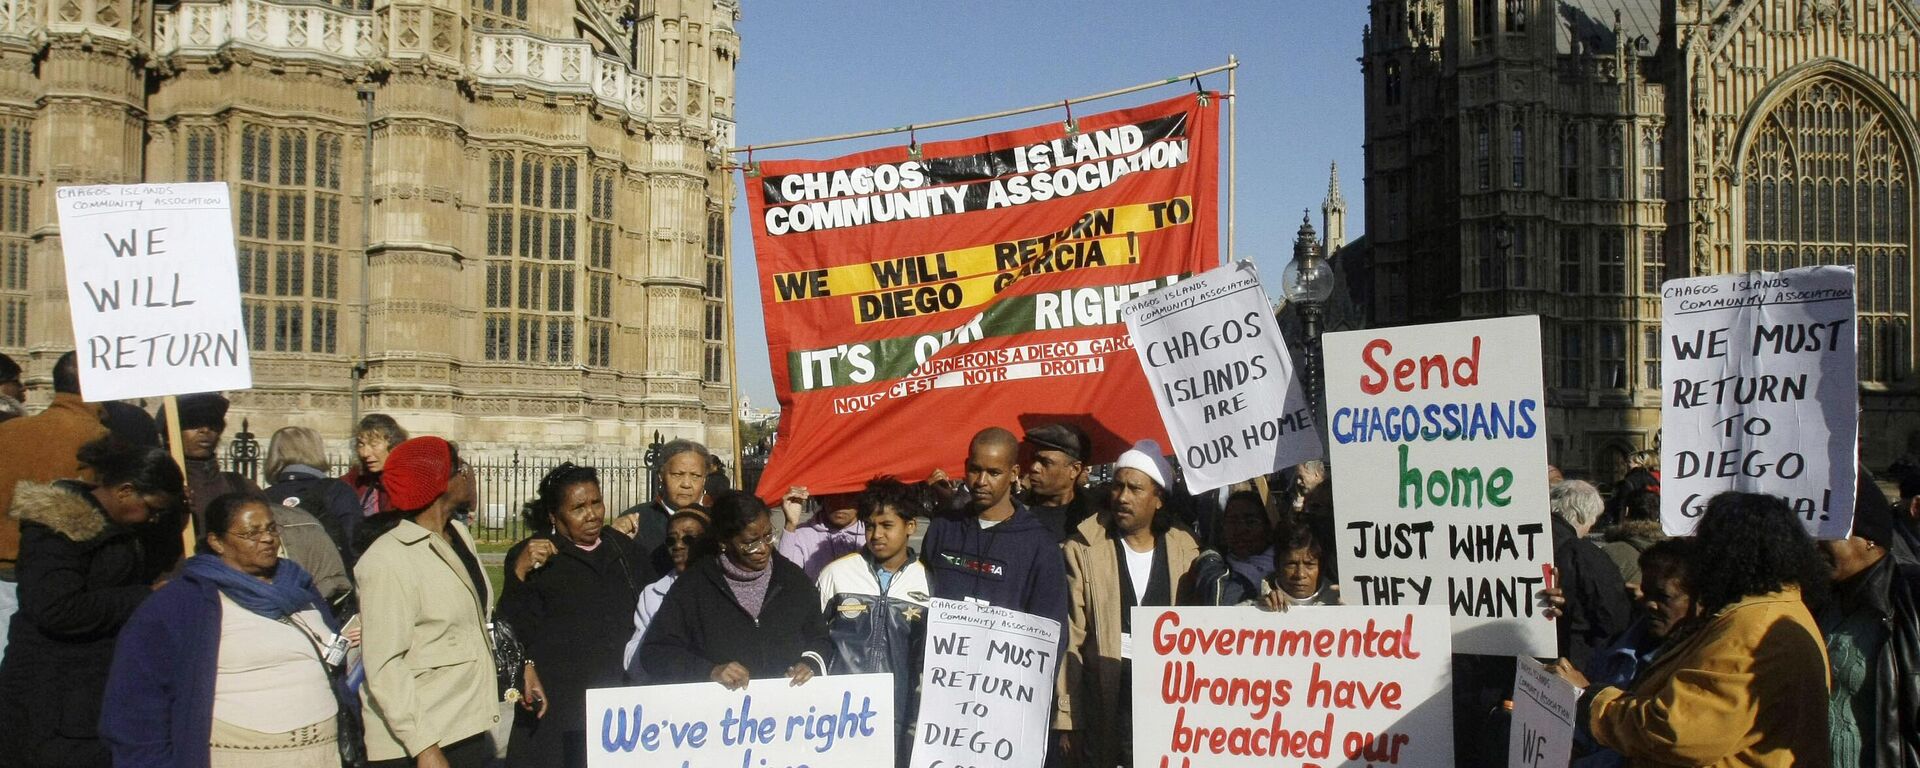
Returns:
<point x="1744" y="683"/>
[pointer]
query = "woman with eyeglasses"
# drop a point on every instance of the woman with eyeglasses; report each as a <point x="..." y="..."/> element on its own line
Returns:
<point x="82" y="573"/>
<point x="225" y="665"/>
<point x="743" y="615"/>
<point x="569" y="597"/>
<point x="688" y="540"/>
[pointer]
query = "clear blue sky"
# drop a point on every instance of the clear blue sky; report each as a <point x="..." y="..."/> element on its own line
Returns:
<point x="811" y="68"/>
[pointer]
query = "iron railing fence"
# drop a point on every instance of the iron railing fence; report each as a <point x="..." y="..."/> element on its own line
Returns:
<point x="505" y="484"/>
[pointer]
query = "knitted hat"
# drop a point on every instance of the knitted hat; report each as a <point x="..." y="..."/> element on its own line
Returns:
<point x="1065" y="438"/>
<point x="202" y="409"/>
<point x="416" y="472"/>
<point x="1145" y="456"/>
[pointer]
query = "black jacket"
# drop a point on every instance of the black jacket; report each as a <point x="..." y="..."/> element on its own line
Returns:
<point x="1892" y="591"/>
<point x="701" y="626"/>
<point x="574" y="616"/>
<point x="81" y="577"/>
<point x="1597" y="605"/>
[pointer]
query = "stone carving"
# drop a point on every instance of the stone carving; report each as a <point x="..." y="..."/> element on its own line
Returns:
<point x="256" y="20"/>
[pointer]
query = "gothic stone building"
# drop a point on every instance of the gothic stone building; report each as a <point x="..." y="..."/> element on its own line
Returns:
<point x="1563" y="157"/>
<point x="525" y="198"/>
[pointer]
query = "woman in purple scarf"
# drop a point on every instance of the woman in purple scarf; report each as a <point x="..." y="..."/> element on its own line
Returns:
<point x="745" y="615"/>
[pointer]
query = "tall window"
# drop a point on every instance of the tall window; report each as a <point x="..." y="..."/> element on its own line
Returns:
<point x="1570" y="160"/>
<point x="16" y="191"/>
<point x="1517" y="152"/>
<point x="600" y="274"/>
<point x="1392" y="86"/>
<point x="714" y="371"/>
<point x="1612" y="160"/>
<point x="1573" y="359"/>
<point x="509" y="14"/>
<point x="1825" y="182"/>
<point x="289" y="238"/>
<point x="1517" y="257"/>
<point x="1610" y="268"/>
<point x="1483" y="14"/>
<point x="1571" y="265"/>
<point x="1653" y="262"/>
<point x="1652" y="162"/>
<point x="1650" y="356"/>
<point x="532" y="204"/>
<point x="1613" y="356"/>
<point x="1489" y="253"/>
<point x="1483" y="157"/>
<point x="203" y="154"/>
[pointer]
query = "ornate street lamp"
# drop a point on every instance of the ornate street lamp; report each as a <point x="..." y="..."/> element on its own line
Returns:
<point x="1308" y="285"/>
<point x="245" y="451"/>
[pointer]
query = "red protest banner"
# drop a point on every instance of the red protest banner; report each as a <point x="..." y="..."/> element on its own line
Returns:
<point x="914" y="298"/>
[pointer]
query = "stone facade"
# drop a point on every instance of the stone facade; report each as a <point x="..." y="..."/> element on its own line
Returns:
<point x="546" y="263"/>
<point x="1563" y="157"/>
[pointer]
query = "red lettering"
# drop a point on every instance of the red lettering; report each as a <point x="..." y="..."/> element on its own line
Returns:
<point x="1431" y="370"/>
<point x="1368" y="384"/>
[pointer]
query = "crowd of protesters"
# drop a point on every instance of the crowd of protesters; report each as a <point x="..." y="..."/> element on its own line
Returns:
<point x="344" y="621"/>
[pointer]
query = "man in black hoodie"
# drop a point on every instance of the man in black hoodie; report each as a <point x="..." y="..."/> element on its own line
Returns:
<point x="997" y="552"/>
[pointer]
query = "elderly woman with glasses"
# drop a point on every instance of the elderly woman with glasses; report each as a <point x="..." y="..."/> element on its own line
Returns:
<point x="743" y="615"/>
<point x="225" y="665"/>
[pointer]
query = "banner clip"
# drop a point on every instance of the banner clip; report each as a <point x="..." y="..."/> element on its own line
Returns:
<point x="751" y="168"/>
<point x="1202" y="91"/>
<point x="1072" y="125"/>
<point x="913" y="144"/>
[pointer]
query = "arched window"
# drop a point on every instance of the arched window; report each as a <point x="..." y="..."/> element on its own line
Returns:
<point x="1826" y="183"/>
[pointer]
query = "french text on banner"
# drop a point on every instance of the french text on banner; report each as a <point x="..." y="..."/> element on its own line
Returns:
<point x="932" y="285"/>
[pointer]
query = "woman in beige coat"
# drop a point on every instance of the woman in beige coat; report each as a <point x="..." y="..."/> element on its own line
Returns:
<point x="1132" y="558"/>
<point x="430" y="694"/>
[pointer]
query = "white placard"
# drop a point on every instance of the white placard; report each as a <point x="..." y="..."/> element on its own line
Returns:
<point x="1543" y="711"/>
<point x="986" y="690"/>
<point x="1761" y="394"/>
<point x="1439" y="433"/>
<point x="1315" y="686"/>
<point x="831" y="720"/>
<point x="1223" y="380"/>
<point x="154" y="290"/>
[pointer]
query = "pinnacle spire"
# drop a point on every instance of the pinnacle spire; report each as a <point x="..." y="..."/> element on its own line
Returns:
<point x="1333" y="184"/>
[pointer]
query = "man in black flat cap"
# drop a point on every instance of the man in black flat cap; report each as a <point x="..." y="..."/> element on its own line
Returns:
<point x="1057" y="457"/>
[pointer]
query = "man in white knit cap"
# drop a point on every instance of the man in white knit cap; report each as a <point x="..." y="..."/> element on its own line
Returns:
<point x="1129" y="557"/>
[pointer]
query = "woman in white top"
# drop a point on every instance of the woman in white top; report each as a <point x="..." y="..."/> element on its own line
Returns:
<point x="687" y="541"/>
<point x="224" y="666"/>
